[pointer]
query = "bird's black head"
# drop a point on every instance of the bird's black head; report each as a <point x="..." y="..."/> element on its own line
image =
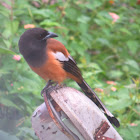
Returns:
<point x="33" y="42"/>
<point x="34" y="38"/>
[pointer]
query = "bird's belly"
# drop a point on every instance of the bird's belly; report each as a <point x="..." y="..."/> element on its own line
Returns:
<point x="52" y="70"/>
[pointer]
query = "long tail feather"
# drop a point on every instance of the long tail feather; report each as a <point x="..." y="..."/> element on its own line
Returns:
<point x="92" y="95"/>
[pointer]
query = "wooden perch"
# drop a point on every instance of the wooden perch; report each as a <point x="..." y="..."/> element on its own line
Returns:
<point x="90" y="122"/>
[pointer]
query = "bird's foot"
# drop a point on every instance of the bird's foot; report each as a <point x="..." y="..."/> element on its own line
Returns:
<point x="59" y="86"/>
<point x="54" y="88"/>
<point x="51" y="86"/>
<point x="47" y="87"/>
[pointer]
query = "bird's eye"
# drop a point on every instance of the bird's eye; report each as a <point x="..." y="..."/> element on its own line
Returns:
<point x="42" y="35"/>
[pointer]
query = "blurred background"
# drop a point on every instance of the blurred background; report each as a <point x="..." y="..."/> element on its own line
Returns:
<point x="102" y="36"/>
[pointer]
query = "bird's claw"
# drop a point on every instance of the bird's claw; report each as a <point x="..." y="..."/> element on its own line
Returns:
<point x="50" y="87"/>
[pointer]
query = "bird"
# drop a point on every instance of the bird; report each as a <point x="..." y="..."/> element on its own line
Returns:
<point x="50" y="59"/>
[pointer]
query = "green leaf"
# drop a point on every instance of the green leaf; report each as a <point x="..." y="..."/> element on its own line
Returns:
<point x="124" y="30"/>
<point x="120" y="104"/>
<point x="14" y="26"/>
<point x="9" y="103"/>
<point x="2" y="72"/>
<point x="115" y="74"/>
<point x="26" y="99"/>
<point x="6" y="51"/>
<point x="133" y="46"/>
<point x="49" y="23"/>
<point x="93" y="4"/>
<point x="83" y="28"/>
<point x="131" y="132"/>
<point x="98" y="21"/>
<point x="94" y="65"/>
<point x="133" y="64"/>
<point x="72" y="13"/>
<point x="7" y="136"/>
<point x="83" y="19"/>
<point x="28" y="131"/>
<point x="103" y="41"/>
<point x="42" y="13"/>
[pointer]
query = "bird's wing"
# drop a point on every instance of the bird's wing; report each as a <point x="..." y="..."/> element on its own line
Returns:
<point x="69" y="64"/>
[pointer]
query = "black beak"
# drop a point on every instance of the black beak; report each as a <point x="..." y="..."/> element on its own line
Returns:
<point x="50" y="35"/>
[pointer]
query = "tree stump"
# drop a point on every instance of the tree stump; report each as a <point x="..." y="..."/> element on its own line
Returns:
<point x="80" y="114"/>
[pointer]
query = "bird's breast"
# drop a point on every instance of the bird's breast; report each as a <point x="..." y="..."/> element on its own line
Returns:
<point x="52" y="69"/>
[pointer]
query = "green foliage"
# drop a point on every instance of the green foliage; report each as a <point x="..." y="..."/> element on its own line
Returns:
<point x="6" y="136"/>
<point x="104" y="51"/>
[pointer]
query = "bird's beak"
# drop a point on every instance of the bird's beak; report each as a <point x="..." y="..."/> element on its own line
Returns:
<point x="50" y="35"/>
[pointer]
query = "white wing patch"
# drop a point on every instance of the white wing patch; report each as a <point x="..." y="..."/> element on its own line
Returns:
<point x="60" y="56"/>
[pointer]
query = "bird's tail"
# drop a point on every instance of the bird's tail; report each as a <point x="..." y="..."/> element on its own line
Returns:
<point x="92" y="95"/>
